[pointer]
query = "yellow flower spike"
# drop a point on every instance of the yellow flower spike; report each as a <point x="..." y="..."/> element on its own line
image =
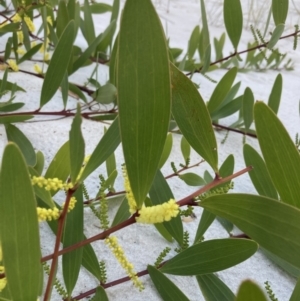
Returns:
<point x="29" y="24"/>
<point x="112" y="243"/>
<point x="20" y="36"/>
<point x="50" y="184"/>
<point x="12" y="64"/>
<point x="16" y="18"/>
<point x="159" y="213"/>
<point x="129" y="195"/>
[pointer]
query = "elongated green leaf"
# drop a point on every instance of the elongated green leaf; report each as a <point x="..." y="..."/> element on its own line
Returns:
<point x="19" y="229"/>
<point x="259" y="174"/>
<point x="113" y="62"/>
<point x="185" y="149"/>
<point x="160" y="192"/>
<point x="193" y="42"/>
<point x="107" y="36"/>
<point x="144" y="94"/>
<point x="58" y="64"/>
<point x="62" y="18"/>
<point x="9" y="86"/>
<point x="248" y="105"/>
<point x="14" y="118"/>
<point x="165" y="287"/>
<point x="274" y="98"/>
<point x="166" y="151"/>
<point x="214" y="289"/>
<point x="280" y="154"/>
<point x="280" y="10"/>
<point x="228" y="109"/>
<point x="40" y="161"/>
<point x="73" y="233"/>
<point x="74" y="89"/>
<point x="10" y="27"/>
<point x="192" y="117"/>
<point x="100" y="294"/>
<point x="210" y="256"/>
<point x="76" y="146"/>
<point x="16" y="136"/>
<point x="296" y="292"/>
<point x="274" y="225"/>
<point x="64" y="86"/>
<point x="106" y="146"/>
<point x="89" y="29"/>
<point x="291" y="269"/>
<point x="192" y="179"/>
<point x="276" y="36"/>
<point x="221" y="90"/>
<point x="205" y="41"/>
<point x="12" y="107"/>
<point x="233" y="19"/>
<point x="249" y="291"/>
<point x="99" y="8"/>
<point x="110" y="164"/>
<point x="206" y="60"/>
<point x="206" y="220"/>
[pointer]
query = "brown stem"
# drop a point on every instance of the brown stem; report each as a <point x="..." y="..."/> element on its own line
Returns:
<point x="55" y="254"/>
<point x="189" y="200"/>
<point x="233" y="130"/>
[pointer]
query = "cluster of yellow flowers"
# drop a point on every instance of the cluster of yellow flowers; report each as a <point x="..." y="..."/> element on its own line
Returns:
<point x="54" y="213"/>
<point x="118" y="252"/>
<point x="149" y="215"/>
<point x="159" y="213"/>
<point x="3" y="281"/>
<point x="51" y="184"/>
<point x="13" y="65"/>
<point x="47" y="214"/>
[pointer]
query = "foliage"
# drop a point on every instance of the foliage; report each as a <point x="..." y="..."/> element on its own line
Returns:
<point x="149" y="96"/>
